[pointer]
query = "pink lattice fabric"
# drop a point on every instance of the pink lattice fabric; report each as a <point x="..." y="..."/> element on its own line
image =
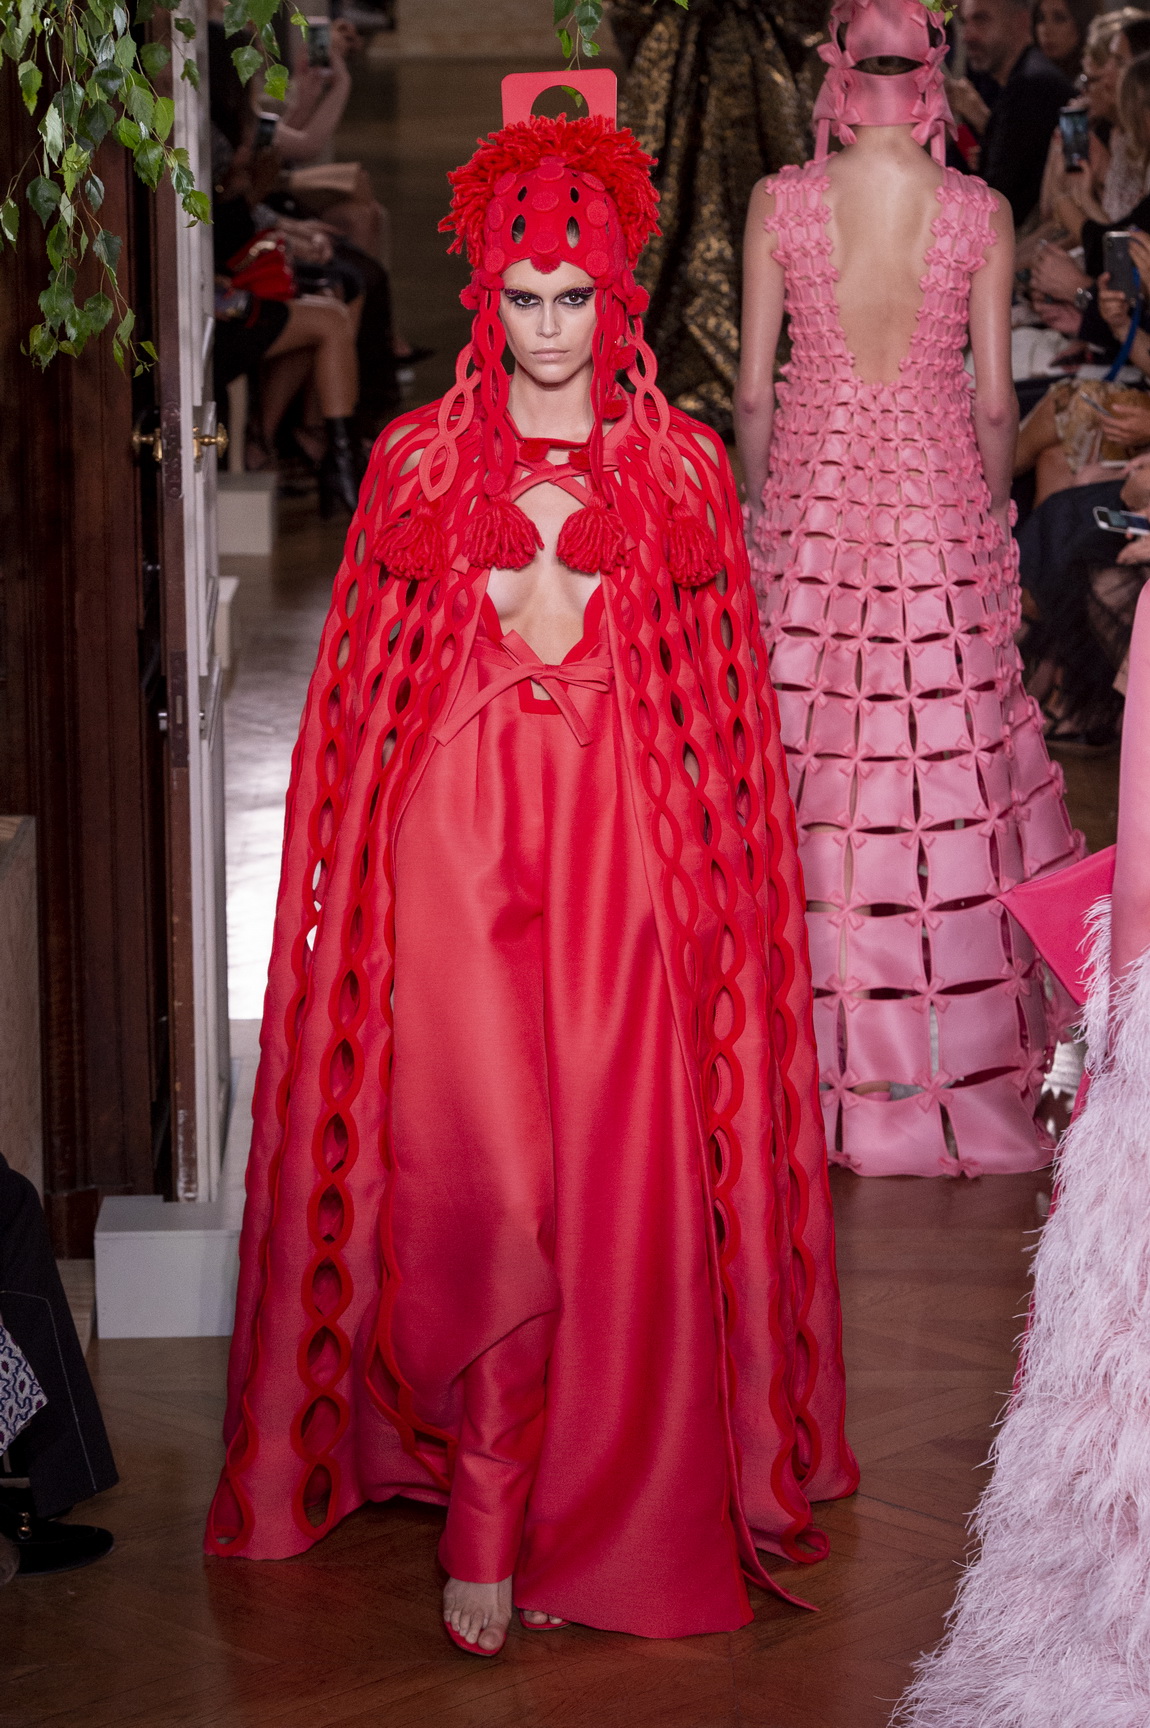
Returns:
<point x="670" y="700"/>
<point x="917" y="764"/>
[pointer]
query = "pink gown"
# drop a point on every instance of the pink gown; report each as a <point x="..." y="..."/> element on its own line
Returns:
<point x="918" y="769"/>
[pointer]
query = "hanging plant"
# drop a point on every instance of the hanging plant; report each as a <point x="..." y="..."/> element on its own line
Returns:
<point x="577" y="25"/>
<point x="86" y="77"/>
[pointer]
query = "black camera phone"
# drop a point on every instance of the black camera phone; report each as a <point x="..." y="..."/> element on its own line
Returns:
<point x="1074" y="127"/>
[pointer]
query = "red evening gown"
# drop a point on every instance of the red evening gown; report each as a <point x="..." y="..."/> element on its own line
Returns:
<point x="537" y="1205"/>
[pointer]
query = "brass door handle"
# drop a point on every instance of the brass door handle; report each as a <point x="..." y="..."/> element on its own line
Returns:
<point x="152" y="441"/>
<point x="217" y="441"/>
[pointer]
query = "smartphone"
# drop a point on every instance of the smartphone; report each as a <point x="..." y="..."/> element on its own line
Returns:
<point x="1074" y="125"/>
<point x="1121" y="521"/>
<point x="319" y="42"/>
<point x="1119" y="264"/>
<point x="265" y="131"/>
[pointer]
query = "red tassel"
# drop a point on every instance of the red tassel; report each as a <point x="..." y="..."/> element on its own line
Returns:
<point x="693" y="555"/>
<point x="592" y="540"/>
<point x="414" y="545"/>
<point x="500" y="537"/>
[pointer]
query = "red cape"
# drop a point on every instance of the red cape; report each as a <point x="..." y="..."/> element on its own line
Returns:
<point x="318" y="1416"/>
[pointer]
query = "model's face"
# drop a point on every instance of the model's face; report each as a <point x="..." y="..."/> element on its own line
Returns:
<point x="550" y="321"/>
<point x="1055" y="30"/>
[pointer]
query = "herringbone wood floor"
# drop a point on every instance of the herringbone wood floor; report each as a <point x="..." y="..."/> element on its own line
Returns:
<point x="934" y="1279"/>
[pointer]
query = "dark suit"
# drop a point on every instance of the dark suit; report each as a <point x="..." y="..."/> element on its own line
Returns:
<point x="1023" y="114"/>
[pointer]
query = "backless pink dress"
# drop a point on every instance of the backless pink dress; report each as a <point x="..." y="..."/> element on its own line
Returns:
<point x="917" y="763"/>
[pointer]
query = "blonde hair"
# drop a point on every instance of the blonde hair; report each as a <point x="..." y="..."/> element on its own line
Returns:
<point x="1103" y="29"/>
<point x="1134" y="108"/>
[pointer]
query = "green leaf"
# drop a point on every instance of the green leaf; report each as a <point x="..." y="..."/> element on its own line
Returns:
<point x="588" y="16"/>
<point x="122" y="336"/>
<point x="141" y="104"/>
<point x="56" y="301"/>
<point x="94" y="191"/>
<point x="198" y="206"/>
<point x="275" y="83"/>
<point x="149" y="350"/>
<point x="561" y="10"/>
<point x="191" y="74"/>
<point x="44" y="196"/>
<point x="57" y="244"/>
<point x="145" y="12"/>
<point x="570" y="90"/>
<point x="590" y="47"/>
<point x="42" y="345"/>
<point x="74" y="167"/>
<point x="299" y="21"/>
<point x="31" y="79"/>
<point x="567" y="47"/>
<point x="186" y="28"/>
<point x="107" y="248"/>
<point x="261" y="12"/>
<point x="52" y="131"/>
<point x="124" y="53"/>
<point x="98" y="310"/>
<point x="247" y="62"/>
<point x="149" y="159"/>
<point x="154" y="56"/>
<point x="235" y="16"/>
<point x="164" y="117"/>
<point x="128" y="134"/>
<point x="10" y="220"/>
<point x="95" y="124"/>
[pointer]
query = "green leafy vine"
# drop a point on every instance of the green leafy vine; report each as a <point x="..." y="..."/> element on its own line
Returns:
<point x="86" y="74"/>
<point x="577" y="25"/>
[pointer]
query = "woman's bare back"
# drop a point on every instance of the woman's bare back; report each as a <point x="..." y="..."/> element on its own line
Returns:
<point x="883" y="202"/>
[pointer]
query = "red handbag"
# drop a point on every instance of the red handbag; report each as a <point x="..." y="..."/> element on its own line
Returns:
<point x="263" y="268"/>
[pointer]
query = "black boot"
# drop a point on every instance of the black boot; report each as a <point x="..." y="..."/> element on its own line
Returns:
<point x="339" y="475"/>
<point x="44" y="1544"/>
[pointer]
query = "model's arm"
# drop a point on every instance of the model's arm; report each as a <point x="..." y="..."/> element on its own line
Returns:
<point x="762" y="322"/>
<point x="995" y="403"/>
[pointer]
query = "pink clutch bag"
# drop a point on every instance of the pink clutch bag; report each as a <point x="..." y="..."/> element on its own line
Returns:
<point x="1052" y="911"/>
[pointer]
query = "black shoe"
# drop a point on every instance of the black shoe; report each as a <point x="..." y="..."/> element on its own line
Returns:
<point x="338" y="473"/>
<point x="46" y="1545"/>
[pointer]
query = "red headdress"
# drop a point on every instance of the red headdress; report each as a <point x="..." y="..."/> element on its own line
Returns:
<point x="552" y="191"/>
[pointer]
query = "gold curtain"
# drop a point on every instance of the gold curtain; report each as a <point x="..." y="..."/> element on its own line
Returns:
<point x="721" y="94"/>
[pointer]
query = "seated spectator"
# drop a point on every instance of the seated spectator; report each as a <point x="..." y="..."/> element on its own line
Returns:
<point x="261" y="317"/>
<point x="59" y="1454"/>
<point x="1011" y="101"/>
<point x="340" y="193"/>
<point x="1060" y="216"/>
<point x="1082" y="585"/>
<point x="1060" y="28"/>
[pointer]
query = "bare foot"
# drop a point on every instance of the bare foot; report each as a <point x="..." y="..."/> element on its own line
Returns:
<point x="533" y="1617"/>
<point x="480" y="1613"/>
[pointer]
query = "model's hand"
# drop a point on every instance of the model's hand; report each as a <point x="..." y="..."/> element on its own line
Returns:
<point x="967" y="104"/>
<point x="1056" y="275"/>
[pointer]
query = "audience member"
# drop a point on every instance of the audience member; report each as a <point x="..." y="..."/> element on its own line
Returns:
<point x="1011" y="101"/>
<point x="60" y="1455"/>
<point x="1060" y="28"/>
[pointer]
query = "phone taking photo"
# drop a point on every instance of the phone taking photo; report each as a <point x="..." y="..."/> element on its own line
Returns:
<point x="1119" y="265"/>
<point x="1074" y="127"/>
<point x="319" y="42"/>
<point x="1120" y="521"/>
<point x="265" y="131"/>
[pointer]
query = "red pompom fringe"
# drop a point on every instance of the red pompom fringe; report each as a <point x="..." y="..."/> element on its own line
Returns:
<point x="592" y="540"/>
<point x="500" y="537"/>
<point x="413" y="546"/>
<point x="693" y="555"/>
